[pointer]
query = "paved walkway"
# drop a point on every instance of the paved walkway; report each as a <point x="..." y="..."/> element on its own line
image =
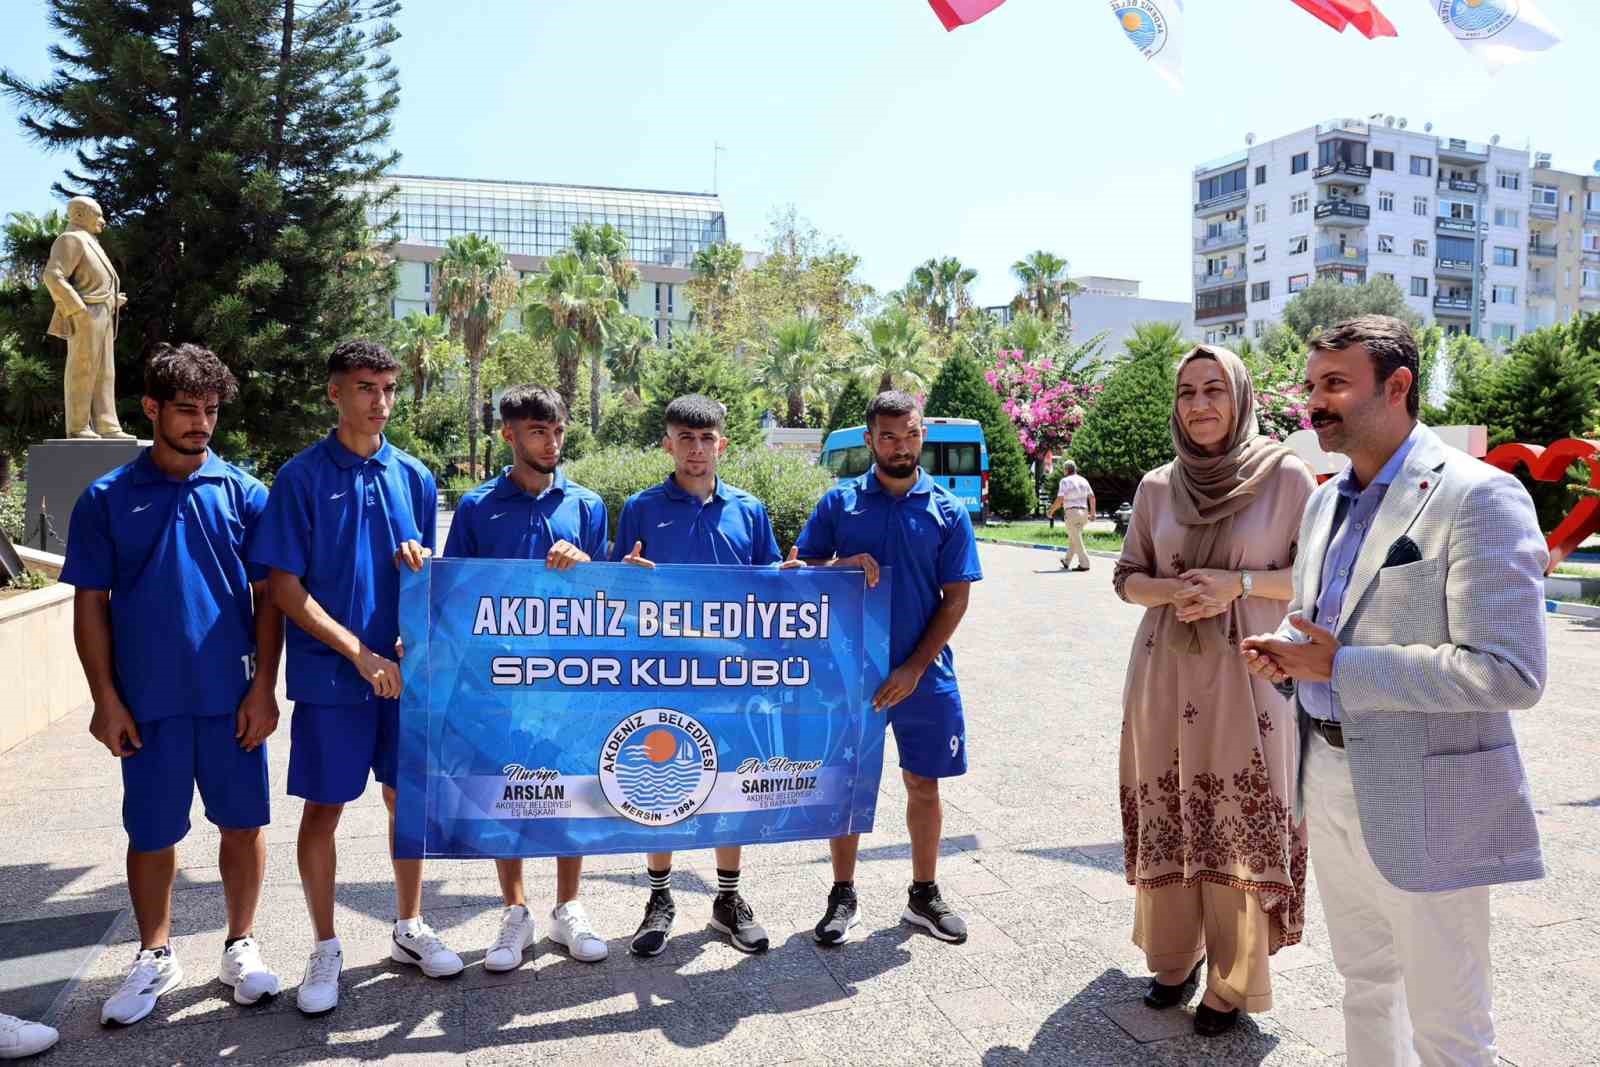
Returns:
<point x="1032" y="858"/>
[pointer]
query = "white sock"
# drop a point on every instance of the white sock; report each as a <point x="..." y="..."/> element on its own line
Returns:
<point x="332" y="944"/>
<point x="517" y="907"/>
<point x="408" y="926"/>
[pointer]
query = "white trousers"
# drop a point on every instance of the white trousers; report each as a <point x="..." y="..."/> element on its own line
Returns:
<point x="1417" y="982"/>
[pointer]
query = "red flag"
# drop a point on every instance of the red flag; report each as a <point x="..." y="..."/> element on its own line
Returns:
<point x="955" y="13"/>
<point x="1362" y="14"/>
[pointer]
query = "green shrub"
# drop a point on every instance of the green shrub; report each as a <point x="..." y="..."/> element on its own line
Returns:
<point x="850" y="409"/>
<point x="12" y="515"/>
<point x="960" y="392"/>
<point x="618" y="473"/>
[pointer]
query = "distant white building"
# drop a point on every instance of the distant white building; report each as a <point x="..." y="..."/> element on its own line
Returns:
<point x="1113" y="306"/>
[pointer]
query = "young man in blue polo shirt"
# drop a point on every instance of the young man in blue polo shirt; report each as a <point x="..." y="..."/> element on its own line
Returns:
<point x="180" y="643"/>
<point x="531" y="511"/>
<point x="895" y="516"/>
<point x="332" y="533"/>
<point x="695" y="517"/>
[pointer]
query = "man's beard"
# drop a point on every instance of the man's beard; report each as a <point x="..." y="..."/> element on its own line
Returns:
<point x="898" y="470"/>
<point x="540" y="467"/>
<point x="184" y="448"/>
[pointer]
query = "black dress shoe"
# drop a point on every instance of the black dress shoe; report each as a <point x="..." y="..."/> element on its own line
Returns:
<point x="1170" y="996"/>
<point x="1209" y="1022"/>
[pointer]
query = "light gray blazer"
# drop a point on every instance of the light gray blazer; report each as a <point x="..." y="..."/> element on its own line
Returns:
<point x="1437" y="652"/>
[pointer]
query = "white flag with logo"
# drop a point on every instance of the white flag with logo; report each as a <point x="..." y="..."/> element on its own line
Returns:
<point x="1497" y="31"/>
<point x="1155" y="28"/>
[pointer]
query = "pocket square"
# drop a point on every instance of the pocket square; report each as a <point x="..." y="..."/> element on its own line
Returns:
<point x="1402" y="552"/>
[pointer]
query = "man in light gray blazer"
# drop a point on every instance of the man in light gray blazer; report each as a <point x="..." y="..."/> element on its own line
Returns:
<point x="1417" y="625"/>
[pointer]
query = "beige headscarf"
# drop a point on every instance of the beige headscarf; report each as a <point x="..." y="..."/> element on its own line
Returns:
<point x="1207" y="490"/>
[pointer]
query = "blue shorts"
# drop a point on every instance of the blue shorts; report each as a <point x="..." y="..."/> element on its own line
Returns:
<point x="931" y="732"/>
<point x="182" y="752"/>
<point x="334" y="746"/>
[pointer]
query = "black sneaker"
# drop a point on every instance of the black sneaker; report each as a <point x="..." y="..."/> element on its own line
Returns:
<point x="929" y="911"/>
<point x="734" y="917"/>
<point x="651" y="937"/>
<point x="841" y="915"/>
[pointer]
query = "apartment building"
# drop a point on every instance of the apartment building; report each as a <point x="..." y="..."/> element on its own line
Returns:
<point x="1564" y="250"/>
<point x="1350" y="199"/>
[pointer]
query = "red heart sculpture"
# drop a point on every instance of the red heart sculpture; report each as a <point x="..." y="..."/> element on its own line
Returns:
<point x="1549" y="464"/>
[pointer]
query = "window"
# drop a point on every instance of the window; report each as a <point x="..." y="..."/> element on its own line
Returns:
<point x="1422" y="166"/>
<point x="1385" y="201"/>
<point x="1299" y="203"/>
<point x="1261" y="174"/>
<point x="1460" y="249"/>
<point x="1222" y="185"/>
<point x="1591" y="280"/>
<point x="1385" y="242"/>
<point x="1419" y="248"/>
<point x="1298" y="244"/>
<point x="1419" y="286"/>
<point x="1258" y="253"/>
<point x="1300" y="162"/>
<point x="1341" y="151"/>
<point x="1259" y="214"/>
<point x="1569" y="203"/>
<point x="1508" y="216"/>
<point x="1546" y="196"/>
<point x="427" y="277"/>
<point x="1503" y="332"/>
<point x="670" y="289"/>
<point x="1505" y="257"/>
<point x="1298" y="282"/>
<point x="1508" y="179"/>
<point x="1259" y="327"/>
<point x="1591" y="201"/>
<point x="1382" y="160"/>
<point x="661" y="290"/>
<point x="1419" y="205"/>
<point x="1591" y="240"/>
<point x="1458" y="209"/>
<point x="1260" y="291"/>
<point x="1504" y="294"/>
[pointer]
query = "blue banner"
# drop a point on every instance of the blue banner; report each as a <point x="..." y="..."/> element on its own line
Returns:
<point x="608" y="708"/>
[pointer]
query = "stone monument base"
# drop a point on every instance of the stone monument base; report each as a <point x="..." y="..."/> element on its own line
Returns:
<point x="58" y="473"/>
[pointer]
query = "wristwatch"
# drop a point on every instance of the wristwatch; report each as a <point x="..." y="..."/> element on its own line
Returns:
<point x="1247" y="584"/>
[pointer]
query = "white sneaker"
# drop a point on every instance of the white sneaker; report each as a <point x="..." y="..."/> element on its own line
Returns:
<point x="19" y="1037"/>
<point x="319" y="989"/>
<point x="423" y="949"/>
<point x="516" y="934"/>
<point x="569" y="928"/>
<point x="243" y="969"/>
<point x="151" y="976"/>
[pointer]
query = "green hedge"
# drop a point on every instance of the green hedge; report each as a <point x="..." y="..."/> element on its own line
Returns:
<point x="790" y="484"/>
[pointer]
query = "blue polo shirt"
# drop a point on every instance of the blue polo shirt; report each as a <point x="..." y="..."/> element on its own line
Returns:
<point x="731" y="528"/>
<point x="499" y="520"/>
<point x="171" y="553"/>
<point x="926" y="536"/>
<point x="335" y="520"/>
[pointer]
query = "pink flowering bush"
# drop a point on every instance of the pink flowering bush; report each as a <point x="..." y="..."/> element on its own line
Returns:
<point x="1281" y="411"/>
<point x="1042" y="400"/>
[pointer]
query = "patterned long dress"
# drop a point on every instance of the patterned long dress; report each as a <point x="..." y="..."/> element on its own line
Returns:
<point x="1209" y="752"/>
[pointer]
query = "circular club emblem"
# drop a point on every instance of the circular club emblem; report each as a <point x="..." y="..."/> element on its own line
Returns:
<point x="1144" y="24"/>
<point x="657" y="767"/>
<point x="1477" y="19"/>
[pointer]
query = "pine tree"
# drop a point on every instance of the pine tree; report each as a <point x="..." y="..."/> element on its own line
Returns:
<point x="233" y="171"/>
<point x="850" y="409"/>
<point x="695" y="364"/>
<point x="960" y="392"/>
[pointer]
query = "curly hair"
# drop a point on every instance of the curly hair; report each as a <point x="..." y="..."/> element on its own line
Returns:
<point x="360" y="354"/>
<point x="187" y="368"/>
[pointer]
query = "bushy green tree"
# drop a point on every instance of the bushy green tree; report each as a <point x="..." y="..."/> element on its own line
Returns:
<point x="1328" y="302"/>
<point x="959" y="392"/>
<point x="1128" y="431"/>
<point x="696" y="364"/>
<point x="849" y="408"/>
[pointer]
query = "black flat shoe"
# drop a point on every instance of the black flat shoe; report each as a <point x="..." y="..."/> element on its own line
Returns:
<point x="1160" y="996"/>
<point x="1209" y="1022"/>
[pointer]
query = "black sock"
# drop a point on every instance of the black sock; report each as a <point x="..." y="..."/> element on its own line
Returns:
<point x="661" y="881"/>
<point x="847" y="886"/>
<point x="922" y="889"/>
<point x="231" y="941"/>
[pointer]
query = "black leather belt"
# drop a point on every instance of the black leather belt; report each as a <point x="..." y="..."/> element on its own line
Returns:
<point x="1331" y="731"/>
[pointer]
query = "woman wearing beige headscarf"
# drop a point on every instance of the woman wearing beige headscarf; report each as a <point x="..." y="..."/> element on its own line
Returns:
<point x="1208" y="751"/>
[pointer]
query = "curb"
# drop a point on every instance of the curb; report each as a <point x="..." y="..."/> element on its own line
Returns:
<point x="1044" y="548"/>
<point x="1570" y="610"/>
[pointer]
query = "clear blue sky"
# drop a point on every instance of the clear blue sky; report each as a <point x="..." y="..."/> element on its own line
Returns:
<point x="1039" y="127"/>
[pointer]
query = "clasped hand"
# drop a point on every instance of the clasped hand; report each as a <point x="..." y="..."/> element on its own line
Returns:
<point x="1205" y="593"/>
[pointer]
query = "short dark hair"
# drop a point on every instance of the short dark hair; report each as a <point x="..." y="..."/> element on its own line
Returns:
<point x="537" y="402"/>
<point x="187" y="368"/>
<point x="696" y="412"/>
<point x="893" y="403"/>
<point x="360" y="354"/>
<point x="1390" y="343"/>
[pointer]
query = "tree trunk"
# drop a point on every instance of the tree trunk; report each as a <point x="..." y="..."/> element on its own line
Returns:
<point x="885" y="382"/>
<point x="797" y="408"/>
<point x="474" y="361"/>
<point x="416" y="381"/>
<point x="280" y="117"/>
<point x="567" y="375"/>
<point x="5" y="470"/>
<point x="594" y="389"/>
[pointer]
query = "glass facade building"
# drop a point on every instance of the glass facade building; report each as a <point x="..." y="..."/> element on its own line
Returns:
<point x="536" y="218"/>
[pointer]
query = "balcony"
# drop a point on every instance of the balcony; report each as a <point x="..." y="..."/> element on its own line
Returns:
<point x="1454" y="268"/>
<point x="1227" y="238"/>
<point x="1221" y="304"/>
<point x="1541" y="248"/>
<point x="1543" y="211"/>
<point x="1453" y="305"/>
<point x="1449" y="225"/>
<point x="1459" y="185"/>
<point x="1456" y="148"/>
<point x="1592" y="218"/>
<point x="1342" y="213"/>
<point x="1542" y="291"/>
<point x="1335" y="256"/>
<point x="1341" y="168"/>
<point x="1342" y="128"/>
<point x="1591" y="255"/>
<point x="1225" y="202"/>
<point x="1229" y="276"/>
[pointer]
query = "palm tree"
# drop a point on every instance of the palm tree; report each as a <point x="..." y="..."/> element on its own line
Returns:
<point x="940" y="289"/>
<point x="1044" y="286"/>
<point x="716" y="269"/>
<point x="474" y="287"/>
<point x="423" y="345"/>
<point x="1156" y="340"/>
<point x="626" y="343"/>
<point x="793" y="365"/>
<point x="574" y="307"/>
<point x="892" y="348"/>
<point x="25" y="244"/>
<point x="606" y="249"/>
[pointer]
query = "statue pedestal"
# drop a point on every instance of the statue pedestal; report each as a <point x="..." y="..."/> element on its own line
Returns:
<point x="58" y="473"/>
